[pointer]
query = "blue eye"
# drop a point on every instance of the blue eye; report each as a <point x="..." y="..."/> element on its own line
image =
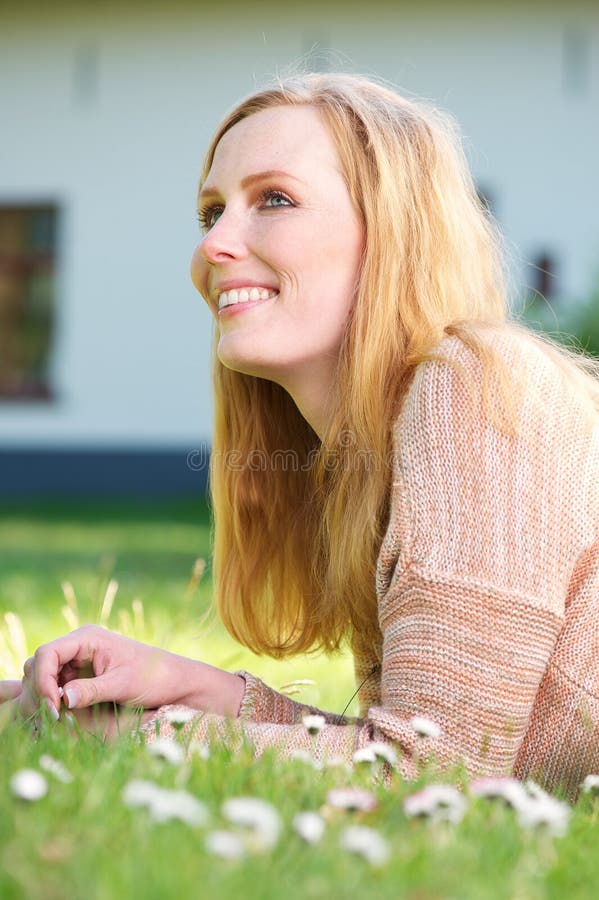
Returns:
<point x="275" y="195"/>
<point x="206" y="216"/>
<point x="209" y="215"/>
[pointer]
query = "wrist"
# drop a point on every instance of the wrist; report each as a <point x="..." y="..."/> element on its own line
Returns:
<point x="208" y="688"/>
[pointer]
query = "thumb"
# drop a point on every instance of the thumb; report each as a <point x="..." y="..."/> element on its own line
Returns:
<point x="83" y="692"/>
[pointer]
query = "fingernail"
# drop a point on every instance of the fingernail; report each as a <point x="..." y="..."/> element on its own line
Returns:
<point x="53" y="711"/>
<point x="72" y="695"/>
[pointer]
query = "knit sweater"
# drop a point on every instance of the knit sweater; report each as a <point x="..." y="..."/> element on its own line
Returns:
<point x="487" y="585"/>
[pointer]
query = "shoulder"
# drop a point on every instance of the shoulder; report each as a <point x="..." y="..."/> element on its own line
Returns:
<point x="501" y="378"/>
<point x="492" y="352"/>
<point x="506" y="505"/>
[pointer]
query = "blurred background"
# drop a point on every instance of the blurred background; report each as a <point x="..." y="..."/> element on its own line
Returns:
<point x="106" y="109"/>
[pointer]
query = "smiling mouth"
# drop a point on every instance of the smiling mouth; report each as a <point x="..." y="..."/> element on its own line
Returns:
<point x="243" y="295"/>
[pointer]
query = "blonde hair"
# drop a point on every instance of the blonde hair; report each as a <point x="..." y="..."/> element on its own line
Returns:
<point x="297" y="524"/>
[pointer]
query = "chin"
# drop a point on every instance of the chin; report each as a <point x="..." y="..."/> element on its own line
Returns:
<point x="245" y="364"/>
<point x="242" y="354"/>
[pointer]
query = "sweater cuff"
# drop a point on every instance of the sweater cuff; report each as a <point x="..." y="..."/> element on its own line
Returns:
<point x="261" y="703"/>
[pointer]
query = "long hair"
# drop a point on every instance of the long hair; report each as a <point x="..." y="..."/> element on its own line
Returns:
<point x="298" y="522"/>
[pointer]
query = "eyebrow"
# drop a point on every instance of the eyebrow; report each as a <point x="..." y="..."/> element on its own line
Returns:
<point x="248" y="181"/>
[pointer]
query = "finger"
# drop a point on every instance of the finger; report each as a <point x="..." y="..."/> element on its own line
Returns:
<point x="9" y="690"/>
<point x="28" y="696"/>
<point x="76" y="648"/>
<point x="30" y="706"/>
<point x="84" y="692"/>
<point x="28" y="700"/>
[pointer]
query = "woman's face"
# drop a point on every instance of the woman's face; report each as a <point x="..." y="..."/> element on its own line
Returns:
<point x="279" y="261"/>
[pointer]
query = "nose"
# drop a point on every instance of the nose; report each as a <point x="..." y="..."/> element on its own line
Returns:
<point x="222" y="244"/>
<point x="224" y="241"/>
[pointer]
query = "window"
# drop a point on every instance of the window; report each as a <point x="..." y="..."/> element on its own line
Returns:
<point x="577" y="57"/>
<point x="27" y="298"/>
<point x="544" y="275"/>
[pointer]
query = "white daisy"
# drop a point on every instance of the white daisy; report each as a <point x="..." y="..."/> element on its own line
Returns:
<point x="384" y="752"/>
<point x="224" y="844"/>
<point x="540" y="809"/>
<point x="257" y="815"/>
<point x="590" y="785"/>
<point x="534" y="807"/>
<point x="374" y="751"/>
<point x="439" y="802"/>
<point x="535" y="790"/>
<point x="547" y="812"/>
<point x="138" y="792"/>
<point x="166" y="749"/>
<point x="425" y="727"/>
<point x="27" y="784"/>
<point x="364" y="755"/>
<point x="510" y="790"/>
<point x="309" y="825"/>
<point x="179" y="716"/>
<point x="166" y="805"/>
<point x="352" y="799"/>
<point x="56" y="768"/>
<point x="367" y="843"/>
<point x="201" y="750"/>
<point x="314" y="723"/>
<point x="163" y="804"/>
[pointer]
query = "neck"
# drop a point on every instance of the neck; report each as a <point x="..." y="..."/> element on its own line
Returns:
<point x="313" y="395"/>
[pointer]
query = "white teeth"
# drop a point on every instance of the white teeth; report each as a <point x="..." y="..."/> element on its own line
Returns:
<point x="228" y="298"/>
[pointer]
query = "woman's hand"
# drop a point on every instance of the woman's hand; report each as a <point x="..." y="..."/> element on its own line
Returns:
<point x="93" y="665"/>
<point x="102" y="719"/>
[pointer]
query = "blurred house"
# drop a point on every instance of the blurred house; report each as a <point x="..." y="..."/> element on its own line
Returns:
<point x="106" y="109"/>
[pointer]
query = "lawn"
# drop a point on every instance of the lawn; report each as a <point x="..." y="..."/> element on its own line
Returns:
<point x="57" y="562"/>
<point x="60" y="566"/>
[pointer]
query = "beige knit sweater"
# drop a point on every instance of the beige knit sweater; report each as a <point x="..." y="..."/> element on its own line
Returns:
<point x="487" y="584"/>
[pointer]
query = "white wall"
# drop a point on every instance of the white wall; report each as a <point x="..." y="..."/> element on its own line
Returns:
<point x="108" y="114"/>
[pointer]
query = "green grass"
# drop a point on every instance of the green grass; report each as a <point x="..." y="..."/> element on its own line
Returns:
<point x="150" y="552"/>
<point x="82" y="841"/>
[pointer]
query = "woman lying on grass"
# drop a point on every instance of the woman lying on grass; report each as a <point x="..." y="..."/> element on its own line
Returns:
<point x="395" y="464"/>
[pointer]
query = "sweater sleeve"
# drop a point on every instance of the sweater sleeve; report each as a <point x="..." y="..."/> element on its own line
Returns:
<point x="472" y="575"/>
<point x="268" y="718"/>
<point x="261" y="703"/>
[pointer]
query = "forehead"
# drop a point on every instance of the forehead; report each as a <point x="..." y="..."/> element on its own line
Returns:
<point x="295" y="137"/>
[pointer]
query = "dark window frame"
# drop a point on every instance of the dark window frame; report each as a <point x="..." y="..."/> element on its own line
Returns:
<point x="28" y="298"/>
